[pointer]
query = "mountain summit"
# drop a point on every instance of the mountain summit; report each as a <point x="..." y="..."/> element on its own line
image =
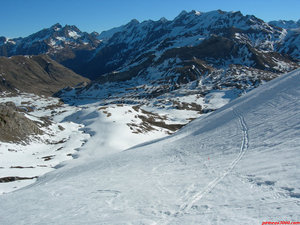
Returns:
<point x="57" y="41"/>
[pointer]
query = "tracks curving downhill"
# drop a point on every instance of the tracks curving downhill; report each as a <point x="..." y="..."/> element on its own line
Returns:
<point x="244" y="146"/>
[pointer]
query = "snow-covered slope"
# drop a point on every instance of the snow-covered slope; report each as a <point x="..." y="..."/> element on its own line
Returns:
<point x="238" y="165"/>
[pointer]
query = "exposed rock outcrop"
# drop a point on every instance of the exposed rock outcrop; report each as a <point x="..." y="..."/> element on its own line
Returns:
<point x="14" y="126"/>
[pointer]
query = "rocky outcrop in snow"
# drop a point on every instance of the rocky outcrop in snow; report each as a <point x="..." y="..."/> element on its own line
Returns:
<point x="14" y="126"/>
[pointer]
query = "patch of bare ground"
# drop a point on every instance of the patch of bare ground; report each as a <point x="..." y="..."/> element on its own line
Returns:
<point x="151" y="120"/>
<point x="21" y="167"/>
<point x="14" y="178"/>
<point x="42" y="166"/>
<point x="49" y="157"/>
<point x="187" y="106"/>
<point x="108" y="114"/>
<point x="57" y="142"/>
<point x="102" y="108"/>
<point x="54" y="106"/>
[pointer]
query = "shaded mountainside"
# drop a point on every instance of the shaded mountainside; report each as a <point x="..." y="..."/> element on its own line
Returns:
<point x="35" y="74"/>
<point x="217" y="64"/>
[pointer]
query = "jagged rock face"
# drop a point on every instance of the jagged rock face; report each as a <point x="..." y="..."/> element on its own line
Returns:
<point x="14" y="126"/>
<point x="35" y="74"/>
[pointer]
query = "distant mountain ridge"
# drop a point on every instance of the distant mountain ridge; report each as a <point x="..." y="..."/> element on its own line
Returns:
<point x="286" y="24"/>
<point x="210" y="51"/>
<point x="186" y="30"/>
<point x="49" y="40"/>
<point x="93" y="55"/>
<point x="196" y="54"/>
<point x="60" y="43"/>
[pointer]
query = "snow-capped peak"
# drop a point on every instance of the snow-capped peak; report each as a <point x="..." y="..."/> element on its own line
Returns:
<point x="197" y="13"/>
<point x="5" y="40"/>
<point x="50" y="40"/>
<point x="56" y="27"/>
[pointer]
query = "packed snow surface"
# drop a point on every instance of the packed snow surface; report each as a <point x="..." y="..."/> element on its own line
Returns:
<point x="238" y="165"/>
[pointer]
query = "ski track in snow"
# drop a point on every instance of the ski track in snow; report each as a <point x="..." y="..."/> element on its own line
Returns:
<point x="244" y="146"/>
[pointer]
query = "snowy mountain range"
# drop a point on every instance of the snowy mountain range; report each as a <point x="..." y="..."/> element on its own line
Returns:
<point x="209" y="51"/>
<point x="61" y="43"/>
<point x="251" y="41"/>
<point x="155" y="63"/>
<point x="286" y="24"/>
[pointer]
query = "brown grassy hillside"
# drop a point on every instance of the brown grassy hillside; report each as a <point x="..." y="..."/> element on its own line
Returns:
<point x="35" y="74"/>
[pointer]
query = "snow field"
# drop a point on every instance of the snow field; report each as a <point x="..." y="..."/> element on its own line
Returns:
<point x="236" y="165"/>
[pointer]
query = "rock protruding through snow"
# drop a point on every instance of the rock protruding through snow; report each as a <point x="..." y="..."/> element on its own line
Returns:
<point x="14" y="126"/>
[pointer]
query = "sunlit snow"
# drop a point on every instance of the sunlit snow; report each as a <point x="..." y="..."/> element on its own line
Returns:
<point x="238" y="165"/>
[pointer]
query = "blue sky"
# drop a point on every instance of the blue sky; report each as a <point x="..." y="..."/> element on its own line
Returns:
<point x="24" y="17"/>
